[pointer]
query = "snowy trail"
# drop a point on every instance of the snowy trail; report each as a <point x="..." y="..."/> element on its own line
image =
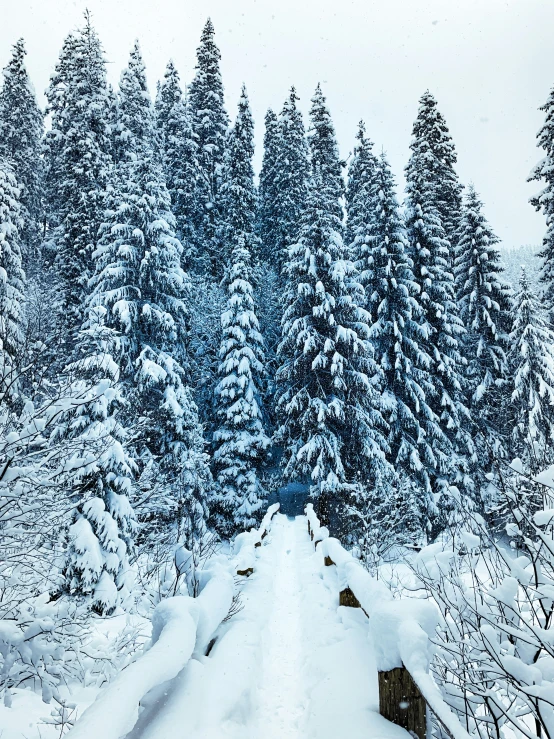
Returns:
<point x="290" y="665"/>
<point x="280" y="692"/>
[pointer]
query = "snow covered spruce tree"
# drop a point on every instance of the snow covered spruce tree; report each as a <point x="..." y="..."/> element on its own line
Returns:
<point x="101" y="476"/>
<point x="78" y="166"/>
<point x="168" y="94"/>
<point x="544" y="200"/>
<point x="360" y="179"/>
<point x="434" y="155"/>
<point x="179" y="149"/>
<point x="209" y="123"/>
<point x="21" y="130"/>
<point x="324" y="150"/>
<point x="397" y="333"/>
<point x="329" y="406"/>
<point x="237" y="194"/>
<point x="266" y="221"/>
<point x="484" y="305"/>
<point x="291" y="178"/>
<point x="139" y="280"/>
<point x="442" y="329"/>
<point x="331" y="423"/>
<point x="239" y="441"/>
<point x="531" y="364"/>
<point x="12" y="284"/>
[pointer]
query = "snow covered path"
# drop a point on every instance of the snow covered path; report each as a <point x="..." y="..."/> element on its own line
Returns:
<point x="280" y="691"/>
<point x="290" y="665"/>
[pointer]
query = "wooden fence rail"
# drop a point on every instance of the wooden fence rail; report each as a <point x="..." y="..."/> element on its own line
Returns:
<point x="405" y="698"/>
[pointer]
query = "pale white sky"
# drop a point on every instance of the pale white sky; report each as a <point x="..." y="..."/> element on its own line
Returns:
<point x="490" y="63"/>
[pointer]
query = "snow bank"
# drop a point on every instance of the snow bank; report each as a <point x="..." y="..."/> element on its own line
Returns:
<point x="179" y="626"/>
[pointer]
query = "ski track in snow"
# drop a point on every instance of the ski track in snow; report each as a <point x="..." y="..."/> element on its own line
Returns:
<point x="290" y="665"/>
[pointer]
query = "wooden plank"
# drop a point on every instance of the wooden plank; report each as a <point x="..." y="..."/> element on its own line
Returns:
<point x="401" y="702"/>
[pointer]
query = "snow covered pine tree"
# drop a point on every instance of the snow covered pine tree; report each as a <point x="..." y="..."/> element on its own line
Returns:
<point x="21" y="130"/>
<point x="240" y="442"/>
<point x="179" y="150"/>
<point x="531" y="362"/>
<point x="209" y="124"/>
<point x="12" y="285"/>
<point x="139" y="280"/>
<point x="484" y="305"/>
<point x="329" y="405"/>
<point x="396" y="333"/>
<point x="78" y="165"/>
<point x="442" y="330"/>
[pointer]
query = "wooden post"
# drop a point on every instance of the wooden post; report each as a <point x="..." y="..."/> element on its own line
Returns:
<point x="401" y="702"/>
<point x="347" y="598"/>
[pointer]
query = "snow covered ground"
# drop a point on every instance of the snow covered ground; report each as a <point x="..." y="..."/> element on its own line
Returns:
<point x="290" y="664"/>
<point x="25" y="718"/>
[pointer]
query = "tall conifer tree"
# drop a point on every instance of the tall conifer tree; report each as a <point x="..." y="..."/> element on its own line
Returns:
<point x="267" y="218"/>
<point x="291" y="178"/>
<point x="443" y="331"/>
<point x="434" y="156"/>
<point x="238" y="195"/>
<point x="397" y="334"/>
<point x="209" y="123"/>
<point x="12" y="282"/>
<point x="240" y="442"/>
<point x="78" y="166"/>
<point x="21" y="131"/>
<point x="544" y="199"/>
<point x="361" y="173"/>
<point x="484" y="303"/>
<point x="102" y="530"/>
<point x="324" y="150"/>
<point x="532" y="371"/>
<point x="179" y="152"/>
<point x="139" y="280"/>
<point x="331" y="420"/>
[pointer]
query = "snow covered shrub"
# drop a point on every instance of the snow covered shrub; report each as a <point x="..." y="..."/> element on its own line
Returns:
<point x="494" y="647"/>
<point x="46" y="643"/>
<point x="384" y="517"/>
<point x="45" y="637"/>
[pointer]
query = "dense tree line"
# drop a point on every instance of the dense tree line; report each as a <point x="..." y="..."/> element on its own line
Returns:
<point x="209" y="338"/>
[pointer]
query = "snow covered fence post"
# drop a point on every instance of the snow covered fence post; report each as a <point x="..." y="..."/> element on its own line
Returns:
<point x="245" y="544"/>
<point x="401" y="702"/>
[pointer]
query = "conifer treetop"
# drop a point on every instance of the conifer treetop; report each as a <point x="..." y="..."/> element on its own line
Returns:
<point x="136" y="116"/>
<point x="323" y="145"/>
